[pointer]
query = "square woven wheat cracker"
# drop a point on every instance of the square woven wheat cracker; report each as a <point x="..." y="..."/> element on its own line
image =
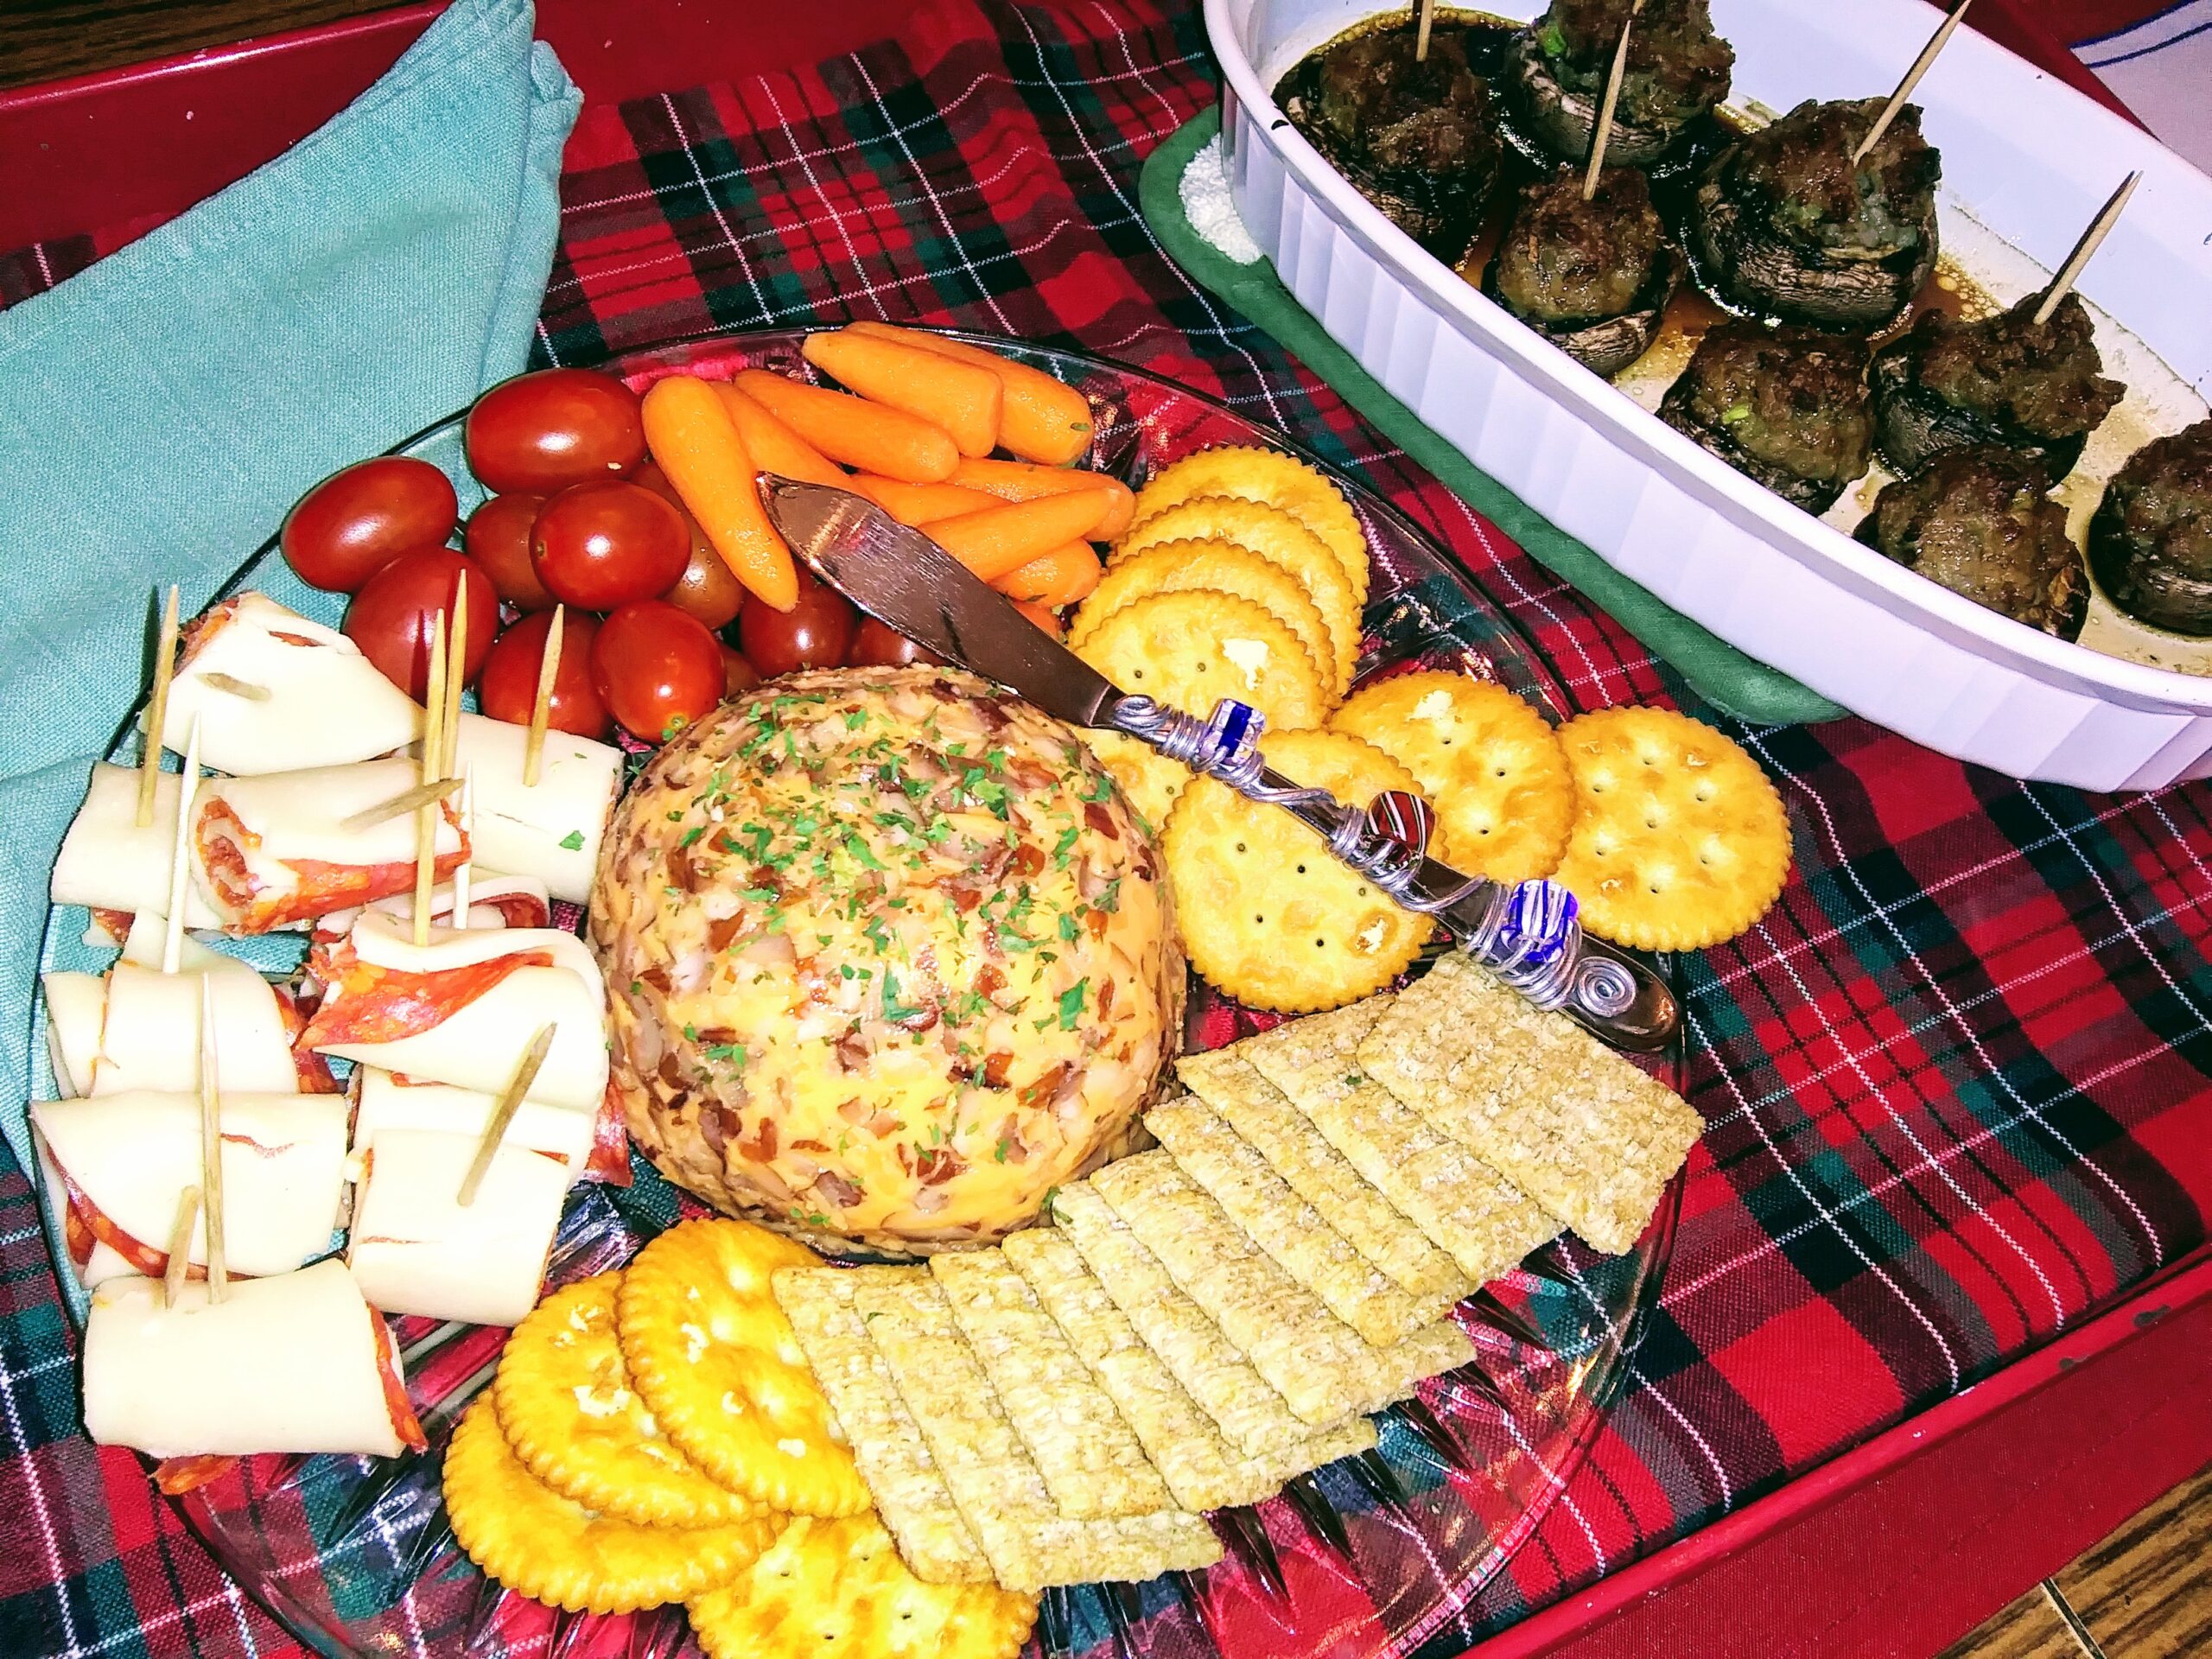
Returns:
<point x="1477" y="1217"/>
<point x="1254" y="1106"/>
<point x="1251" y="1416"/>
<point x="1092" y="1461"/>
<point x="1030" y="1544"/>
<point x="1452" y="1046"/>
<point x="1315" y="1361"/>
<point x="1590" y="1136"/>
<point x="910" y="1493"/>
<point x="1235" y="1176"/>
<point x="1202" y="1470"/>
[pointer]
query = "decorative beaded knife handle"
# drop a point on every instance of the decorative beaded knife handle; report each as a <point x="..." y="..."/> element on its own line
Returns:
<point x="1528" y="934"/>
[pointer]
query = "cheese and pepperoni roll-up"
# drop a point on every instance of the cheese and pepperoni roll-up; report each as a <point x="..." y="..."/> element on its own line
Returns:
<point x="107" y="862"/>
<point x="295" y="1362"/>
<point x="463" y="1009"/>
<point x="382" y="1101"/>
<point x="150" y="1033"/>
<point x="76" y="1004"/>
<point x="494" y="901"/>
<point x="273" y="849"/>
<point x="551" y="828"/>
<point x="416" y="1248"/>
<point x="124" y="1160"/>
<point x="275" y="692"/>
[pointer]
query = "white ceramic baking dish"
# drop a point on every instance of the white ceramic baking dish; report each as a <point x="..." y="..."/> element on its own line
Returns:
<point x="2033" y="157"/>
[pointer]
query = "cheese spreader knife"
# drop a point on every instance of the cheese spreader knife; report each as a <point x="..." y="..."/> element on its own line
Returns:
<point x="1526" y="934"/>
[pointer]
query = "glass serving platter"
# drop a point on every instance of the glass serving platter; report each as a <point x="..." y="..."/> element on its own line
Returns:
<point x="1381" y="1552"/>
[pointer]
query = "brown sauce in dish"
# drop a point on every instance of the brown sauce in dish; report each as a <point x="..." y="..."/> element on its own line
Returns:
<point x="1948" y="288"/>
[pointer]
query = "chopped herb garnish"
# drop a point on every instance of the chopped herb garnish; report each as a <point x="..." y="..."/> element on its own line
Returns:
<point x="573" y="841"/>
<point x="1072" y="1004"/>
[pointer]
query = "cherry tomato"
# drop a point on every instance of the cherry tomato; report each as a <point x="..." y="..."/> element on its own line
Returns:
<point x="509" y="691"/>
<point x="706" y="589"/>
<point x="878" y="645"/>
<point x="539" y="433"/>
<point x="739" y="675"/>
<point x="355" y="522"/>
<point x="601" y="544"/>
<point x="390" y="618"/>
<point x="815" y="633"/>
<point x="497" y="538"/>
<point x="655" y="669"/>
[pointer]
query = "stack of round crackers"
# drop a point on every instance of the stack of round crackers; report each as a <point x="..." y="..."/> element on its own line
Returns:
<point x="655" y="1435"/>
<point x="1244" y="574"/>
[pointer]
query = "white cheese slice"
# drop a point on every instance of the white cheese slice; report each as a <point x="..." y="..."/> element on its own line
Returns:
<point x="288" y="1364"/>
<point x="74" y="1006"/>
<point x="388" y="941"/>
<point x="481" y="1047"/>
<point x="107" y="862"/>
<point x="415" y="1249"/>
<point x="284" y="1157"/>
<point x="383" y="1102"/>
<point x="552" y="828"/>
<point x="142" y="944"/>
<point x="326" y="703"/>
<point x="150" y="1036"/>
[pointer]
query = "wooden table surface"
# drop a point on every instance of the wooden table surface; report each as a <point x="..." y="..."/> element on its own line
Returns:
<point x="45" y="40"/>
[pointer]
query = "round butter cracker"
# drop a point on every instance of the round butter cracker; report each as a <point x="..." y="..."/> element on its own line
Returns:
<point x="567" y="1405"/>
<point x="1269" y="915"/>
<point x="1268" y="475"/>
<point x="552" y="1550"/>
<point x="1191" y="648"/>
<point x="838" y="1590"/>
<point x="1679" y="841"/>
<point x="1488" y="762"/>
<point x="1176" y="567"/>
<point x="714" y="1359"/>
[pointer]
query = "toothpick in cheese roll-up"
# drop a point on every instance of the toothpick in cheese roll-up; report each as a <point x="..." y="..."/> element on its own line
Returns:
<point x="108" y="862"/>
<point x="463" y="1009"/>
<point x="416" y="1248"/>
<point x="295" y="1362"/>
<point x="287" y="847"/>
<point x="150" y="1033"/>
<point x="383" y="1102"/>
<point x="551" y="828"/>
<point x="275" y="692"/>
<point x="125" y="1159"/>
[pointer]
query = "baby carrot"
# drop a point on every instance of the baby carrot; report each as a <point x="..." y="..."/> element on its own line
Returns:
<point x="855" y="431"/>
<point x="1060" y="577"/>
<point x="916" y="504"/>
<point x="1025" y="480"/>
<point x="774" y="445"/>
<point x="1002" y="538"/>
<point x="691" y="436"/>
<point x="962" y="397"/>
<point x="1037" y="613"/>
<point x="1042" y="419"/>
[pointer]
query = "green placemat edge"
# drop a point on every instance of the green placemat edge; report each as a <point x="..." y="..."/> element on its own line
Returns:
<point x="1715" y="670"/>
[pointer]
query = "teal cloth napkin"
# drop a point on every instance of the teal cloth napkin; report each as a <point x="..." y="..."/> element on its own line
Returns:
<point x="160" y="411"/>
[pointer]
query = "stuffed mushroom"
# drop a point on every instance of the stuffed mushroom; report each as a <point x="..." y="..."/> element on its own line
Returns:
<point x="1418" y="139"/>
<point x="2151" y="541"/>
<point x="1784" y="222"/>
<point x="2036" y="388"/>
<point x="1593" y="277"/>
<point x="1977" y="520"/>
<point x="1556" y="69"/>
<point x="1786" y="407"/>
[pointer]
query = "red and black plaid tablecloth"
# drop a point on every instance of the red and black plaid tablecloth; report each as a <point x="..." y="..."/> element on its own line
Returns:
<point x="1955" y="1084"/>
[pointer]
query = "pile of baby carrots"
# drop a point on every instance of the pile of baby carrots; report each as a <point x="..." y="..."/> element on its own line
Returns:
<point x="921" y="423"/>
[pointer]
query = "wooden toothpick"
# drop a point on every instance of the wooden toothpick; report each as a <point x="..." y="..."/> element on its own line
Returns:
<point x="456" y="679"/>
<point x="187" y="786"/>
<point x="426" y="817"/>
<point x="2099" y="227"/>
<point x="1920" y="66"/>
<point x="157" y="709"/>
<point x="503" y="1113"/>
<point x="461" y="872"/>
<point x="1428" y="9"/>
<point x="211" y="1143"/>
<point x="541" y="706"/>
<point x="413" y="798"/>
<point x="1605" y="128"/>
<point x="188" y="1215"/>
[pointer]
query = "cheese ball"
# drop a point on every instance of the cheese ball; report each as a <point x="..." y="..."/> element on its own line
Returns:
<point x="888" y="958"/>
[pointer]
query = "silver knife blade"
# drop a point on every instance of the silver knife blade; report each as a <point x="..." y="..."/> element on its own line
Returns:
<point x="900" y="577"/>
